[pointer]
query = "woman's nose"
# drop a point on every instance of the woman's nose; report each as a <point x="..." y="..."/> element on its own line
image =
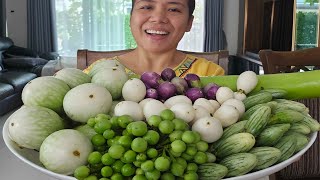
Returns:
<point x="159" y="15"/>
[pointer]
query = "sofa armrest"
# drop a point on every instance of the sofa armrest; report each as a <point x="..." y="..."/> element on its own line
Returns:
<point x="16" y="51"/>
<point x="5" y="43"/>
<point x="50" y="56"/>
<point x="23" y="62"/>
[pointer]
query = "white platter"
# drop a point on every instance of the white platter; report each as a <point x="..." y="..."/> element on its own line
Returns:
<point x="31" y="157"/>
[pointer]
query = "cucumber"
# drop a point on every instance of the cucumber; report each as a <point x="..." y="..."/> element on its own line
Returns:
<point x="293" y="105"/>
<point x="259" y="98"/>
<point x="251" y="110"/>
<point x="276" y="93"/>
<point x="286" y="116"/>
<point x="239" y="164"/>
<point x="240" y="142"/>
<point x="300" y="127"/>
<point x="227" y="132"/>
<point x="298" y="85"/>
<point x="302" y="140"/>
<point x="311" y="123"/>
<point x="258" y="120"/>
<point x="287" y="146"/>
<point x="272" y="134"/>
<point x="212" y="171"/>
<point x="267" y="156"/>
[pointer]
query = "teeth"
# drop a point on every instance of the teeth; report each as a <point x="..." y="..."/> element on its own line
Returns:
<point x="156" y="32"/>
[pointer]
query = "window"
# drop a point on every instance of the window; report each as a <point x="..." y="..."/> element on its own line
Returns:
<point x="103" y="25"/>
<point x="306" y="24"/>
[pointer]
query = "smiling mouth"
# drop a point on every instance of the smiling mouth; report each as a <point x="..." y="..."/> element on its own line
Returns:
<point x="155" y="32"/>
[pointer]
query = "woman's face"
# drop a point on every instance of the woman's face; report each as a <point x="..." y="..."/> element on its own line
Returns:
<point x="159" y="25"/>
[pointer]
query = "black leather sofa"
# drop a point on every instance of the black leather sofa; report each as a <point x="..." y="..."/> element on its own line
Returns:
<point x="18" y="66"/>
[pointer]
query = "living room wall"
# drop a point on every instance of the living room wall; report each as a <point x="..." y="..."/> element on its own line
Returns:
<point x="17" y="23"/>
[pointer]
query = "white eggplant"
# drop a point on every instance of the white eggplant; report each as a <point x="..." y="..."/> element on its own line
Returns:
<point x="130" y="108"/>
<point x="247" y="81"/>
<point x="200" y="112"/>
<point x="215" y="104"/>
<point x="134" y="90"/>
<point x="183" y="111"/>
<point x="227" y="115"/>
<point x="205" y="103"/>
<point x="223" y="94"/>
<point x="177" y="99"/>
<point x="240" y="96"/>
<point x="144" y="101"/>
<point x="209" y="128"/>
<point x="153" y="107"/>
<point x="237" y="104"/>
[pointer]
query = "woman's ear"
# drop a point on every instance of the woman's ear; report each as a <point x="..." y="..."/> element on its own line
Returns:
<point x="190" y="21"/>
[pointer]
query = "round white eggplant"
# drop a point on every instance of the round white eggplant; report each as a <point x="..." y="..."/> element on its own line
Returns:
<point x="183" y="111"/>
<point x="223" y="94"/>
<point x="177" y="99"/>
<point x="209" y="128"/>
<point x="134" y="90"/>
<point x="237" y="104"/>
<point x="130" y="108"/>
<point x="227" y="115"/>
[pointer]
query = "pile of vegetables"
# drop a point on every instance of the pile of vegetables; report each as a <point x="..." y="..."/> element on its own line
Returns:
<point x="159" y="126"/>
<point x="167" y="84"/>
<point x="270" y="131"/>
<point x="162" y="147"/>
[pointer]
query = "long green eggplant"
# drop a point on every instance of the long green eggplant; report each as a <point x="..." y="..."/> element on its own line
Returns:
<point x="300" y="85"/>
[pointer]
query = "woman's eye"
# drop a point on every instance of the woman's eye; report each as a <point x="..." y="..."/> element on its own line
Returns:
<point x="146" y="7"/>
<point x="174" y="10"/>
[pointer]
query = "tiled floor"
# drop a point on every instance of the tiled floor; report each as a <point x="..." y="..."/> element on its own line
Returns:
<point x="11" y="168"/>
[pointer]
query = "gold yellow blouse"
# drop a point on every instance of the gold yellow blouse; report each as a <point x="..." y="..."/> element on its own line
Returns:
<point x="190" y="64"/>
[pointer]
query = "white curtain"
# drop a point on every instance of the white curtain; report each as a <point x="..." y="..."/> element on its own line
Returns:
<point x="194" y="40"/>
<point x="103" y="25"/>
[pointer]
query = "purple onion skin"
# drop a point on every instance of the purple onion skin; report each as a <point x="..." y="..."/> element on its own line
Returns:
<point x="147" y="86"/>
<point x="180" y="83"/>
<point x="211" y="92"/>
<point x="208" y="86"/>
<point x="193" y="80"/>
<point x="151" y="79"/>
<point x="194" y="93"/>
<point x="168" y="74"/>
<point x="166" y="90"/>
<point x="152" y="93"/>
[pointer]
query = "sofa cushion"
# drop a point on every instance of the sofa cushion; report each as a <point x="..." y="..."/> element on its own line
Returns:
<point x="5" y="90"/>
<point x="10" y="103"/>
<point x="24" y="62"/>
<point x="50" y="55"/>
<point x="5" y="43"/>
<point x="17" y="79"/>
<point x="16" y="51"/>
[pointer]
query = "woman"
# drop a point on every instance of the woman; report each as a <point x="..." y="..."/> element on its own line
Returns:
<point x="158" y="26"/>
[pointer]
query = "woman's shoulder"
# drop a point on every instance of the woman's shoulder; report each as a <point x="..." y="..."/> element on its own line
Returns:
<point x="202" y="66"/>
<point x="199" y="59"/>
